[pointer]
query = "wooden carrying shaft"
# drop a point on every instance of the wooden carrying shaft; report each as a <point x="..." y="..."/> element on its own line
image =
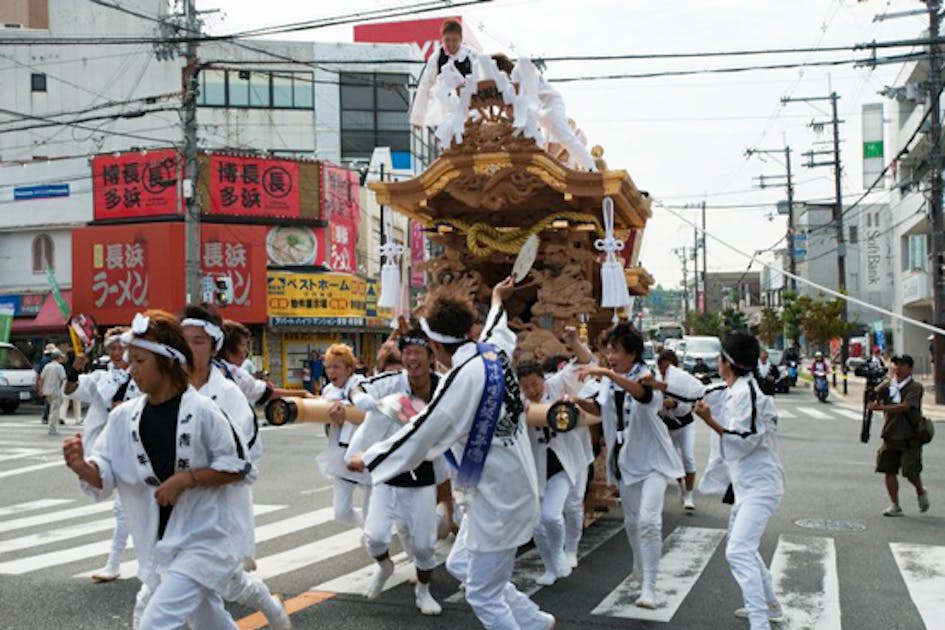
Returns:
<point x="537" y="415"/>
<point x="287" y="410"/>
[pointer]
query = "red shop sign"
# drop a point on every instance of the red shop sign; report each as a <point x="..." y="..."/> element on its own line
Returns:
<point x="249" y="186"/>
<point x="341" y="208"/>
<point x="238" y="251"/>
<point x="133" y="185"/>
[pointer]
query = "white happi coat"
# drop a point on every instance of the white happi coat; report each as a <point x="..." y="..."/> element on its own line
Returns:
<point x="234" y="405"/>
<point x="331" y="461"/>
<point x="427" y="110"/>
<point x="252" y="387"/>
<point x="204" y="522"/>
<point x="97" y="389"/>
<point x="377" y="427"/>
<point x="501" y="512"/>
<point x="715" y="478"/>
<point x="647" y="446"/>
<point x="684" y="388"/>
<point x="749" y="445"/>
<point x="572" y="448"/>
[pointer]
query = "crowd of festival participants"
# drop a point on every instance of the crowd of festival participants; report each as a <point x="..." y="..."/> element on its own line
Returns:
<point x="443" y="450"/>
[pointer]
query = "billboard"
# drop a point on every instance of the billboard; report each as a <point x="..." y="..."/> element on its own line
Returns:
<point x="133" y="185"/>
<point x="341" y="208"/>
<point x="323" y="299"/>
<point x="424" y="34"/>
<point x="119" y="270"/>
<point x="252" y="186"/>
<point x="237" y="251"/>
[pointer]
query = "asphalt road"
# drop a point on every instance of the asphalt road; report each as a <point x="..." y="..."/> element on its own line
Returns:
<point x="837" y="561"/>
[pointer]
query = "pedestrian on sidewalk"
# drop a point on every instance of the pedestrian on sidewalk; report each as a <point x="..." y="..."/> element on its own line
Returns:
<point x="50" y="386"/>
<point x="900" y="400"/>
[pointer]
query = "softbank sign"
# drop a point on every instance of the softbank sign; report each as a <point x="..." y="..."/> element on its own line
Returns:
<point x="424" y="34"/>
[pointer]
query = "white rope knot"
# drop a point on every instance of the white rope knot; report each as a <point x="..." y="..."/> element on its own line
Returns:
<point x="614" y="293"/>
<point x="391" y="251"/>
<point x="609" y="244"/>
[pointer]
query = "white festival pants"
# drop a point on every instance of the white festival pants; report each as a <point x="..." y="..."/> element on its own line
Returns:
<point x="549" y="534"/>
<point x="489" y="591"/>
<point x="119" y="537"/>
<point x="574" y="513"/>
<point x="746" y="526"/>
<point x="343" y="502"/>
<point x="414" y="512"/>
<point x="684" y="440"/>
<point x="180" y="600"/>
<point x="247" y="589"/>
<point x="643" y="519"/>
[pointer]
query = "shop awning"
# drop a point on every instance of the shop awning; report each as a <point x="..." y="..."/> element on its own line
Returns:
<point x="49" y="319"/>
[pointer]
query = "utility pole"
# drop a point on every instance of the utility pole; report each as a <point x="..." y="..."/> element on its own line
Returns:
<point x="705" y="257"/>
<point x="838" y="193"/>
<point x="935" y="180"/>
<point x="789" y="188"/>
<point x="191" y="81"/>
<point x="683" y="258"/>
<point x="695" y="271"/>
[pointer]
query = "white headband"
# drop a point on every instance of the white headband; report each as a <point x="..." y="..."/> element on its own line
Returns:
<point x="112" y="339"/>
<point x="139" y="326"/>
<point x="435" y="336"/>
<point x="209" y="327"/>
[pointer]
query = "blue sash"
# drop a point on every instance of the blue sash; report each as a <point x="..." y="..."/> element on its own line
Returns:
<point x="484" y="422"/>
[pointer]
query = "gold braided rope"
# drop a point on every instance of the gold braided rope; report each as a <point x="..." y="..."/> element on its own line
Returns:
<point x="483" y="239"/>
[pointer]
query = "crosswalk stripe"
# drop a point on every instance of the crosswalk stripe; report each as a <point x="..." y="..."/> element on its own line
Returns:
<point x="686" y="552"/>
<point x="29" y="506"/>
<point x="529" y="567"/>
<point x="848" y="413"/>
<point x="922" y="567"/>
<point x="55" y="558"/>
<point x="785" y="414"/>
<point x="357" y="582"/>
<point x="804" y="572"/>
<point x="266" y="532"/>
<point x="51" y="517"/>
<point x="27" y="469"/>
<point x="28" y="452"/>
<point x="305" y="555"/>
<point x="813" y="413"/>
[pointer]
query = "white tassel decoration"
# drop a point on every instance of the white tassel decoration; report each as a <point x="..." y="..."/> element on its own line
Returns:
<point x="614" y="292"/>
<point x="390" y="269"/>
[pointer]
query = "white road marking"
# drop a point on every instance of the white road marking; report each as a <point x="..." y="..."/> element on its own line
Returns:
<point x="686" y="552"/>
<point x="29" y="506"/>
<point x="40" y="520"/>
<point x="311" y="553"/>
<point x="813" y="413"/>
<point x="28" y="452"/>
<point x="266" y="532"/>
<point x="785" y="414"/>
<point x="804" y="572"/>
<point x="27" y="469"/>
<point x="923" y="570"/>
<point x="357" y="582"/>
<point x="849" y="413"/>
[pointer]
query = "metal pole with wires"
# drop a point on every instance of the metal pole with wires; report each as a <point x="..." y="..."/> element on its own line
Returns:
<point x="935" y="190"/>
<point x="789" y="189"/>
<point x="191" y="80"/>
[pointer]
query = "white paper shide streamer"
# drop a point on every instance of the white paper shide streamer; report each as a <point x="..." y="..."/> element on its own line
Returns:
<point x="614" y="291"/>
<point x="390" y="269"/>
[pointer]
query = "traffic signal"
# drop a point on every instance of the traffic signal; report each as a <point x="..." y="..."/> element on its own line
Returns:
<point x="223" y="290"/>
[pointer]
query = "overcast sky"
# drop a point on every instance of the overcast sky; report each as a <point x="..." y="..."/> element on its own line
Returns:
<point x="683" y="137"/>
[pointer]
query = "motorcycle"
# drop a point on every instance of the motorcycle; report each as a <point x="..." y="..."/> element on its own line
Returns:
<point x="821" y="387"/>
<point x="791" y="372"/>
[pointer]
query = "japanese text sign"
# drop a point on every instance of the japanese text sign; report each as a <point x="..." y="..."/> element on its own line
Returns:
<point x="341" y="208"/>
<point x="307" y="295"/>
<point x="249" y="186"/>
<point x="237" y="251"/>
<point x="135" y="185"/>
<point x="123" y="269"/>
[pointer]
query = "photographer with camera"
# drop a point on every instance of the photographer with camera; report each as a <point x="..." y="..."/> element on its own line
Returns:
<point x="900" y="399"/>
<point x="873" y="371"/>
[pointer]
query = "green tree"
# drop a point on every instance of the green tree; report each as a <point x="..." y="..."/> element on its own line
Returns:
<point x="770" y="327"/>
<point x="733" y="321"/>
<point x="704" y="324"/>
<point x="823" y="320"/>
<point x="792" y="317"/>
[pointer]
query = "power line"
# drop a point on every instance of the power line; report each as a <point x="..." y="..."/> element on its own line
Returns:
<point x="47" y="122"/>
<point x="92" y="108"/>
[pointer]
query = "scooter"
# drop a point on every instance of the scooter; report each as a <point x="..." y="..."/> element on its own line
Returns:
<point x="792" y="373"/>
<point x="821" y="388"/>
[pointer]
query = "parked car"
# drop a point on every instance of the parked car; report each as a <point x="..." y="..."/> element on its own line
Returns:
<point x="706" y="348"/>
<point x="649" y="355"/>
<point x="17" y="378"/>
<point x="676" y="345"/>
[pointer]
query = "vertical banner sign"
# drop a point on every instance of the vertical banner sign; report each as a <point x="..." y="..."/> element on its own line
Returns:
<point x="249" y="186"/>
<point x="418" y="245"/>
<point x="6" y="322"/>
<point x="135" y="185"/>
<point x="57" y="294"/>
<point x="239" y="252"/>
<point x="872" y="143"/>
<point x="341" y="209"/>
<point x="876" y="242"/>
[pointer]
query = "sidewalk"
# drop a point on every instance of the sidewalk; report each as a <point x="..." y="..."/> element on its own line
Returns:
<point x="854" y="395"/>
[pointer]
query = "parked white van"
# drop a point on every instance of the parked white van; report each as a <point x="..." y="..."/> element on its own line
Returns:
<point x="17" y="378"/>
